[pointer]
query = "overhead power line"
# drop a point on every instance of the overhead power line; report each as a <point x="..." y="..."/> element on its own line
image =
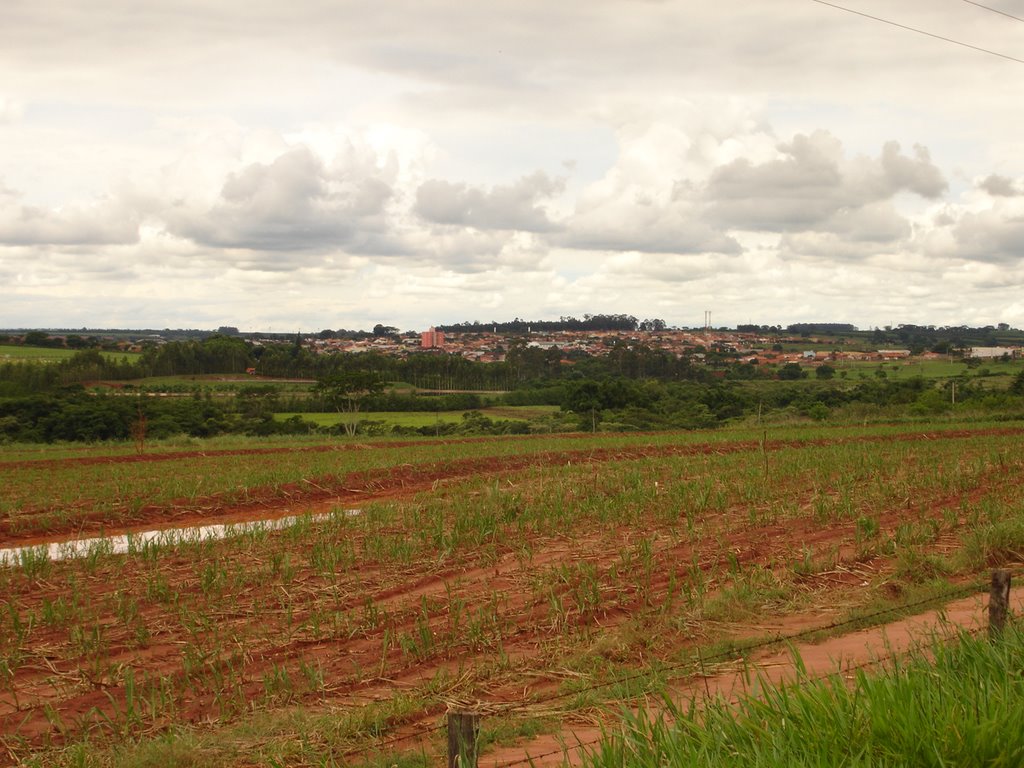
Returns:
<point x="920" y="31"/>
<point x="996" y="10"/>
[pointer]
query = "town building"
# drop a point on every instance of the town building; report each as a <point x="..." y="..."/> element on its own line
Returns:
<point x="432" y="339"/>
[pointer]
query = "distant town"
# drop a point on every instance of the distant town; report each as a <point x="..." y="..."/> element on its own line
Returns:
<point x="749" y="347"/>
<point x="807" y="344"/>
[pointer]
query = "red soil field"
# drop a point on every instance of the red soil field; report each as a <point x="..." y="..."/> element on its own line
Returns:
<point x="55" y="686"/>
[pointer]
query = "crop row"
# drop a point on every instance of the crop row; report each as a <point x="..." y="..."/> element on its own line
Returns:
<point x="48" y="498"/>
<point x="544" y="566"/>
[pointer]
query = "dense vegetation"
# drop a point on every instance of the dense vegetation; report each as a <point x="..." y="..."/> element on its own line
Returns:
<point x="950" y="704"/>
<point x="631" y="387"/>
<point x="555" y="581"/>
<point x="588" y="323"/>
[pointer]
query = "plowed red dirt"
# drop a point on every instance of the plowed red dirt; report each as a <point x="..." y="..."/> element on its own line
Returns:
<point x="219" y="629"/>
<point x="843" y="655"/>
<point x="269" y="502"/>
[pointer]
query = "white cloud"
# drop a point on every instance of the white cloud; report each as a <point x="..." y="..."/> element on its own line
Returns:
<point x="292" y="203"/>
<point x="10" y="110"/>
<point x="811" y="186"/>
<point x="995" y="236"/>
<point x="1000" y="186"/>
<point x="514" y="206"/>
<point x="650" y="200"/>
<point x="775" y="161"/>
<point x="101" y="222"/>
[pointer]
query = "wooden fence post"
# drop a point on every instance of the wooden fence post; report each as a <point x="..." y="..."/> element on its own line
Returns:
<point x="463" y="728"/>
<point x="998" y="602"/>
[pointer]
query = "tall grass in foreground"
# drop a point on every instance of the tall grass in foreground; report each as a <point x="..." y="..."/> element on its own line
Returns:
<point x="950" y="704"/>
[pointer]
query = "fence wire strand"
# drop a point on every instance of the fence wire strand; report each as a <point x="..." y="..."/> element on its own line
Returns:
<point x="802" y="681"/>
<point x="962" y="591"/>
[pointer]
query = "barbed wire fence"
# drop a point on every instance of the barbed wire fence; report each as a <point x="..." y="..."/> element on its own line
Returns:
<point x="463" y="722"/>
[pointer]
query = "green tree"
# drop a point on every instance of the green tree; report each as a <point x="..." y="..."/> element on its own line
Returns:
<point x="791" y="371"/>
<point x="1017" y="387"/>
<point x="345" y="390"/>
<point x="584" y="397"/>
<point x="818" y="411"/>
<point x="39" y="339"/>
<point x="931" y="402"/>
<point x="825" y="371"/>
<point x="256" y="401"/>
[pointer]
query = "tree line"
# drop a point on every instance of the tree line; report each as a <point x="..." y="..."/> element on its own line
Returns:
<point x="608" y="403"/>
<point x="631" y="387"/>
<point x="569" y="323"/>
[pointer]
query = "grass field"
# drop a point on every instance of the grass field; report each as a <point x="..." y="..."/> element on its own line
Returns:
<point x="943" y="705"/>
<point x="16" y="353"/>
<point x="422" y="418"/>
<point x="399" y="418"/>
<point x="932" y="369"/>
<point x="546" y="581"/>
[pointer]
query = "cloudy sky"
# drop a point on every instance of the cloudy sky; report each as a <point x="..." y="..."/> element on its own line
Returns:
<point x="334" y="164"/>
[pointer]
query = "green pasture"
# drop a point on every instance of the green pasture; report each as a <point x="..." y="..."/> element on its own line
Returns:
<point x="399" y="418"/>
<point x="930" y="369"/>
<point x="900" y="370"/>
<point x="526" y="412"/>
<point x="12" y="353"/>
<point x="417" y="419"/>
